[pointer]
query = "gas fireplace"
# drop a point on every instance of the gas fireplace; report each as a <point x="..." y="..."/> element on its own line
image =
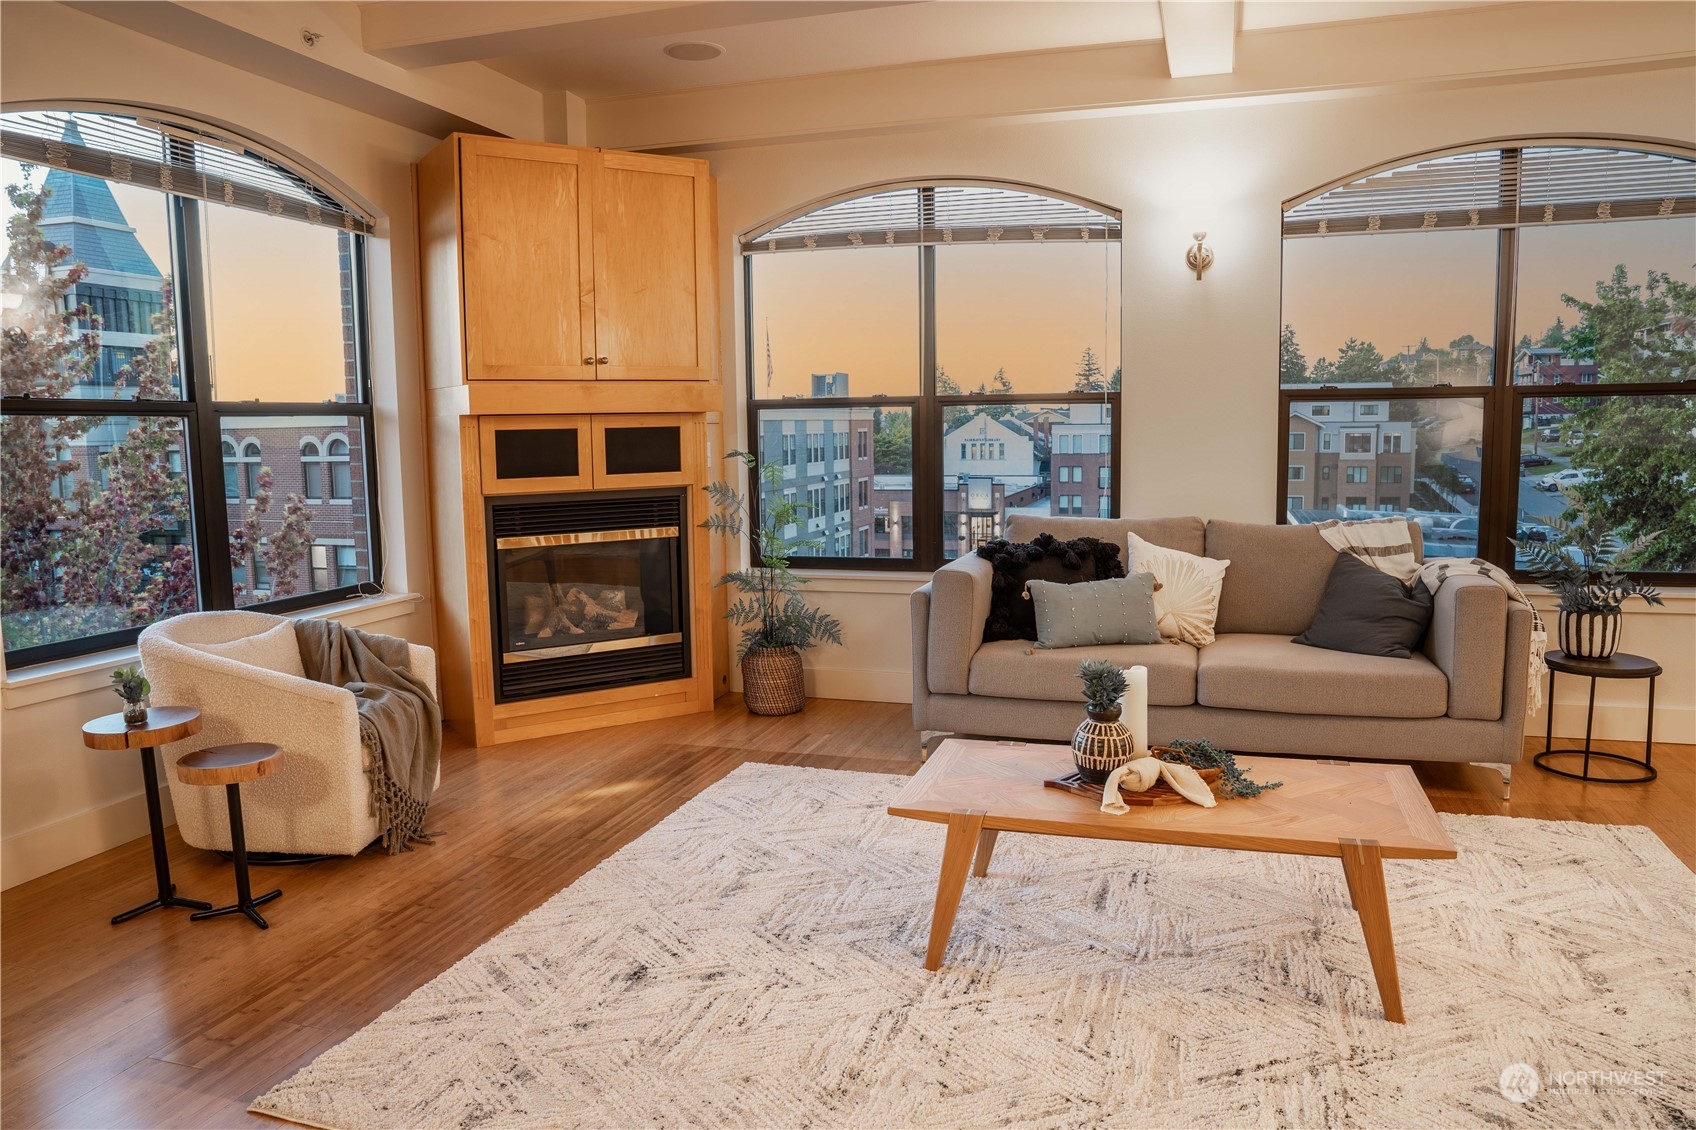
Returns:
<point x="589" y="591"/>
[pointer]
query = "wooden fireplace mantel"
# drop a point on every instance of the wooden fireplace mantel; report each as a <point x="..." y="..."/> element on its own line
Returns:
<point x="575" y="289"/>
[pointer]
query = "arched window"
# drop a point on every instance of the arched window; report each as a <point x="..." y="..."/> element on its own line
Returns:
<point x="312" y="470"/>
<point x="1467" y="331"/>
<point x="232" y="483"/>
<point x="955" y="329"/>
<point x="250" y="468"/>
<point x="267" y="279"/>
<point x="341" y="471"/>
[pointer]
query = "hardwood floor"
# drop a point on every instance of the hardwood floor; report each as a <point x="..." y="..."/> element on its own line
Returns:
<point x="164" y="1022"/>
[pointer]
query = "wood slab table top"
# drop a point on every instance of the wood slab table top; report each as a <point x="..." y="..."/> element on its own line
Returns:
<point x="164" y="725"/>
<point x="1320" y="804"/>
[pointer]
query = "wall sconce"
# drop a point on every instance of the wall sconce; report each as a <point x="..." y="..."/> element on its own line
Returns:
<point x="1199" y="257"/>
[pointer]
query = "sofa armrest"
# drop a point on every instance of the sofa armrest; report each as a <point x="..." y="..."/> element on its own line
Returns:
<point x="918" y="609"/>
<point x="1468" y="643"/>
<point x="959" y="605"/>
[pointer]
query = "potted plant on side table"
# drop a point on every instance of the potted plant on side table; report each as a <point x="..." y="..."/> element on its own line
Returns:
<point x="1584" y="566"/>
<point x="132" y="686"/>
<point x="776" y="621"/>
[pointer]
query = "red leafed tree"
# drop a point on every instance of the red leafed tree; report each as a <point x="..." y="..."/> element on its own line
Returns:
<point x="98" y="544"/>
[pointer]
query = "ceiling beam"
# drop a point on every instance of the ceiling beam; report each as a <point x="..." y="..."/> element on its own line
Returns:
<point x="423" y="33"/>
<point x="1200" y="36"/>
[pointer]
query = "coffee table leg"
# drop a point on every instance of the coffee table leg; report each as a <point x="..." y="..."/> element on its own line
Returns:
<point x="1363" y="866"/>
<point x="963" y="828"/>
<point x="986" y="846"/>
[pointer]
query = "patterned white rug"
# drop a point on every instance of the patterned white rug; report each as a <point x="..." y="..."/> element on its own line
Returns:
<point x="755" y="960"/>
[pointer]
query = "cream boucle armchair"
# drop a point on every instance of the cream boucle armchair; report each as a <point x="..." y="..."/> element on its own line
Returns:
<point x="241" y="670"/>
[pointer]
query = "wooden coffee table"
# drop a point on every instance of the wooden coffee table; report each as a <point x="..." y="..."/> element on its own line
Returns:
<point x="1360" y="812"/>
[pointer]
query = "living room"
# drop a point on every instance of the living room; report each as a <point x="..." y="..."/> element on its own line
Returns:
<point x="958" y="273"/>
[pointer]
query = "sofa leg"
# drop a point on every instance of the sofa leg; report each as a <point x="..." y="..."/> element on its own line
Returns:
<point x="928" y="740"/>
<point x="1505" y="769"/>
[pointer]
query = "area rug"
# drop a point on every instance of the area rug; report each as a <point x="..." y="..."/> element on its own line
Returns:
<point x="755" y="961"/>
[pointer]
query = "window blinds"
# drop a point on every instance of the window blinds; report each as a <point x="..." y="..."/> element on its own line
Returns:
<point x="171" y="156"/>
<point x="937" y="214"/>
<point x="1498" y="188"/>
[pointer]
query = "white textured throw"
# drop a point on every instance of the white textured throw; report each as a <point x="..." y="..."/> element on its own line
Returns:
<point x="1432" y="575"/>
<point x="1383" y="543"/>
<point x="1387" y="546"/>
<point x="1140" y="775"/>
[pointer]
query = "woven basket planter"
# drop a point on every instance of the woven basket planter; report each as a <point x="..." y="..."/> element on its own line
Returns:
<point x="1589" y="635"/>
<point x="772" y="682"/>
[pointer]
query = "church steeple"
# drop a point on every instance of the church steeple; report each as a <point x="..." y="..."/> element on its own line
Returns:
<point x="82" y="214"/>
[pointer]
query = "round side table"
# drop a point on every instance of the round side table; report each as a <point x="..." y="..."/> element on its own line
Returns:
<point x="230" y="765"/>
<point x="164" y="724"/>
<point x="1617" y="666"/>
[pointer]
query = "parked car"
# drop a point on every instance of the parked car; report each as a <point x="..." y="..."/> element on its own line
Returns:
<point x="1464" y="528"/>
<point x="1566" y="477"/>
<point x="1550" y="433"/>
<point x="1535" y="459"/>
<point x="1534" y="531"/>
<point x="1465" y="484"/>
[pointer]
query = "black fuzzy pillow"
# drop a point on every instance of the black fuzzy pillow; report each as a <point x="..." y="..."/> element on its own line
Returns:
<point x="1012" y="615"/>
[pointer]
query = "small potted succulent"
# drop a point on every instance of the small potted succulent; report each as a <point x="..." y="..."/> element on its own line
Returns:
<point x="1583" y="565"/>
<point x="132" y="686"/>
<point x="1102" y="743"/>
<point x="777" y="622"/>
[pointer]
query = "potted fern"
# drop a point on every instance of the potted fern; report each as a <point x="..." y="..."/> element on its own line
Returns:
<point x="1584" y="566"/>
<point x="777" y="622"/>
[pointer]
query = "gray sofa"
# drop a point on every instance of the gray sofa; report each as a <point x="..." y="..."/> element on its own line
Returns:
<point x="1252" y="690"/>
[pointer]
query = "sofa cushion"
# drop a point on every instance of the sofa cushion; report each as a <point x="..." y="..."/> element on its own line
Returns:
<point x="1120" y="610"/>
<point x="1016" y="669"/>
<point x="1277" y="575"/>
<point x="1187" y="534"/>
<point x="273" y="650"/>
<point x="1012" y="614"/>
<point x="1368" y="612"/>
<point x="1246" y="671"/>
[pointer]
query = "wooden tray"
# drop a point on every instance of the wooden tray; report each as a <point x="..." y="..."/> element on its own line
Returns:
<point x="1157" y="794"/>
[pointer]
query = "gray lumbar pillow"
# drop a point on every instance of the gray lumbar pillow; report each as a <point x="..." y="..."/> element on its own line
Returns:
<point x="1368" y="612"/>
<point x="1095" y="612"/>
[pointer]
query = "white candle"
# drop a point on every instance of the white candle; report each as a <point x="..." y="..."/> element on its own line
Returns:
<point x="1135" y="708"/>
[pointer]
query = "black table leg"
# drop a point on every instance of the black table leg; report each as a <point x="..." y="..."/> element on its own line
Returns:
<point x="245" y="902"/>
<point x="1649" y="731"/>
<point x="1589" y="723"/>
<point x="167" y="895"/>
<point x="1549" y="716"/>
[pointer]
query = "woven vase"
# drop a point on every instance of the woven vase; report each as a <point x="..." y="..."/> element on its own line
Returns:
<point x="1589" y="635"/>
<point x="772" y="681"/>
<point x="1101" y="744"/>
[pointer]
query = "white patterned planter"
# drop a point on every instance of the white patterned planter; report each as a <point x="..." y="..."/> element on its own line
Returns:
<point x="1589" y="635"/>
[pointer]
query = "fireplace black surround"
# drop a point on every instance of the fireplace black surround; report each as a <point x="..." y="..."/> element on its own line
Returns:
<point x="588" y="591"/>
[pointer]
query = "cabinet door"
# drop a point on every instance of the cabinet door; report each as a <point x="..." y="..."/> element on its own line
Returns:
<point x="526" y="216"/>
<point x="655" y="270"/>
<point x="654" y="449"/>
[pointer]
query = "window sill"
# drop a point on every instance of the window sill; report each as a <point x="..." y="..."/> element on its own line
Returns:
<point x="45" y="682"/>
<point x="854" y="580"/>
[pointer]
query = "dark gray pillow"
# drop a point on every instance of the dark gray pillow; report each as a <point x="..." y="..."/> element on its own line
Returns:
<point x="1368" y="612"/>
<point x="1095" y="612"/>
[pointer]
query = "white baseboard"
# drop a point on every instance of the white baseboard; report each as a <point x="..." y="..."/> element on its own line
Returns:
<point x="36" y="851"/>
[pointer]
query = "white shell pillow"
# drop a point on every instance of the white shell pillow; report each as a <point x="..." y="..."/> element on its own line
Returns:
<point x="273" y="650"/>
<point x="1186" y="589"/>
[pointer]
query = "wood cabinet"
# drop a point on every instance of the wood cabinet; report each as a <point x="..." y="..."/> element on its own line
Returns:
<point x="567" y="264"/>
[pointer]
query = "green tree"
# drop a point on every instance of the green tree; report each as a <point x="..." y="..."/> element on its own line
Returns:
<point x="892" y="443"/>
<point x="1555" y="336"/>
<point x="1292" y="366"/>
<point x="1090" y="378"/>
<point x="1360" y="362"/>
<point x="1113" y="385"/>
<point x="1643" y="449"/>
<point x="954" y="415"/>
<point x="1324" y="372"/>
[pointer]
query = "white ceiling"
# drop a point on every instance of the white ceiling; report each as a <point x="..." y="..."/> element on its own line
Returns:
<point x="601" y="49"/>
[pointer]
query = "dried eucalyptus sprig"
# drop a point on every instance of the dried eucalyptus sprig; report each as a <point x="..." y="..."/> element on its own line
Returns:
<point x="1199" y="753"/>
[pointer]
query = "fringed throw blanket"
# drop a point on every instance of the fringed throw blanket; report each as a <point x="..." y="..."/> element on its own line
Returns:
<point x="400" y="723"/>
<point x="1387" y="545"/>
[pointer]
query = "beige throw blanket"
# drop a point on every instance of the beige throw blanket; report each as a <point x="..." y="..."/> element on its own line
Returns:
<point x="1386" y="544"/>
<point x="400" y="723"/>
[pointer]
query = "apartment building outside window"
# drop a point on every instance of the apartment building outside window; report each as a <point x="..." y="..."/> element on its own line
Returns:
<point x="190" y="380"/>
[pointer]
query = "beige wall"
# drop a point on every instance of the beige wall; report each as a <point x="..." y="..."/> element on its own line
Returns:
<point x="1200" y="430"/>
<point x="58" y="801"/>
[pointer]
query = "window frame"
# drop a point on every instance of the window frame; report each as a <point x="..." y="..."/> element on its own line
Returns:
<point x="202" y="420"/>
<point x="1503" y="399"/>
<point x="927" y="408"/>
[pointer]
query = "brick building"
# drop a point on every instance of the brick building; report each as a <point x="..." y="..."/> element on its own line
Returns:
<point x="1349" y="455"/>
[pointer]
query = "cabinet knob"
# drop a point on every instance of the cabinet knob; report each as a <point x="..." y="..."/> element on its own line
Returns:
<point x="600" y="360"/>
<point x="588" y="360"/>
